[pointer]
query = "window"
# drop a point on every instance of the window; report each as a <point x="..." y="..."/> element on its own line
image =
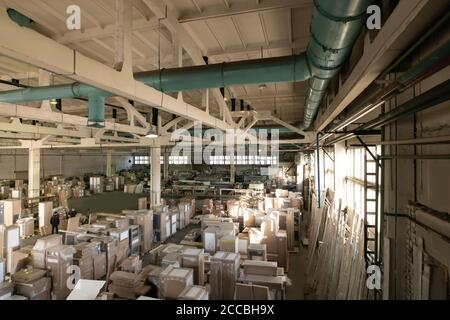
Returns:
<point x="141" y="160"/>
<point x="178" y="160"/>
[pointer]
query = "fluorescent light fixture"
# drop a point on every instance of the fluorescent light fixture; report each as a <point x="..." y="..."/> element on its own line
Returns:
<point x="53" y="102"/>
<point x="151" y="135"/>
<point x="262" y="86"/>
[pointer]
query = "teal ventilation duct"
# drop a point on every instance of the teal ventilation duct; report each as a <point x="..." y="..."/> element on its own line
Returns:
<point x="283" y="69"/>
<point x="19" y="18"/>
<point x="96" y="111"/>
<point x="335" y="26"/>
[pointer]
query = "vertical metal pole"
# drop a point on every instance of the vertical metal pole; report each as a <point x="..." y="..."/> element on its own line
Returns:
<point x="318" y="169"/>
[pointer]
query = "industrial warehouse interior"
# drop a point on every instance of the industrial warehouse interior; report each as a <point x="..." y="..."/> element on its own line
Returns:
<point x="224" y="150"/>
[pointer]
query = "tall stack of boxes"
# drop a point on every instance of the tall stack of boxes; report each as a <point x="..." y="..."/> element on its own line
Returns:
<point x="84" y="259"/>
<point x="59" y="261"/>
<point x="32" y="284"/>
<point x="224" y="273"/>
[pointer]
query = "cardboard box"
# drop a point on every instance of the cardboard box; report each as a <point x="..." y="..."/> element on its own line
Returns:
<point x="243" y="243"/>
<point x="11" y="210"/>
<point x="9" y="241"/>
<point x="251" y="292"/>
<point x="224" y="273"/>
<point x="59" y="259"/>
<point x="229" y="244"/>
<point x="175" y="280"/>
<point x="45" y="213"/>
<point x="127" y="285"/>
<point x="194" y="293"/>
<point x="210" y="239"/>
<point x="144" y="219"/>
<point x="6" y="289"/>
<point x="131" y="264"/>
<point x="159" y="225"/>
<point x="195" y="259"/>
<point x="39" y="251"/>
<point x="257" y="252"/>
<point x="26" y="227"/>
<point x="142" y="203"/>
<point x="263" y="268"/>
<point x="19" y="260"/>
<point x="32" y="284"/>
<point x="100" y="266"/>
<point x="282" y="249"/>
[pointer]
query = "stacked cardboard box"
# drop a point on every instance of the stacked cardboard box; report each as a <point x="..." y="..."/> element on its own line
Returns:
<point x="100" y="266"/>
<point x="143" y="218"/>
<point x="229" y="244"/>
<point x="175" y="280"/>
<point x="159" y="223"/>
<point x="251" y="292"/>
<point x="263" y="268"/>
<point x="96" y="184"/>
<point x="207" y="207"/>
<point x="59" y="259"/>
<point x="210" y="239"/>
<point x="142" y="203"/>
<point x="257" y="252"/>
<point x="127" y="285"/>
<point x="26" y="226"/>
<point x="6" y="290"/>
<point x="243" y="242"/>
<point x="131" y="264"/>
<point x="9" y="241"/>
<point x="45" y="213"/>
<point x="11" y="209"/>
<point x="84" y="259"/>
<point x="194" y="293"/>
<point x="33" y="284"/>
<point x="39" y="251"/>
<point x="195" y="259"/>
<point x="224" y="273"/>
<point x="269" y="229"/>
<point x="282" y="249"/>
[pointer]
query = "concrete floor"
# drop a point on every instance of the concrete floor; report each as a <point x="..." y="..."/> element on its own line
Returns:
<point x="115" y="202"/>
<point x="110" y="202"/>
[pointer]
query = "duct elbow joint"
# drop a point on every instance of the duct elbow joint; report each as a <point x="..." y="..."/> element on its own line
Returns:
<point x="96" y="111"/>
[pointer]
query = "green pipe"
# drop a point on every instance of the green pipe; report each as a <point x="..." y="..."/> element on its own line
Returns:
<point x="284" y="69"/>
<point x="96" y="111"/>
<point x="269" y="70"/>
<point x="19" y="18"/>
<point x="335" y="26"/>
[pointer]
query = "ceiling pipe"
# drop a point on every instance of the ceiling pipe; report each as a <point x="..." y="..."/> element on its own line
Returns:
<point x="334" y="28"/>
<point x="430" y="98"/>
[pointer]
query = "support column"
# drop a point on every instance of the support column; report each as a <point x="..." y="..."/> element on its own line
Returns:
<point x="109" y="169"/>
<point x="166" y="165"/>
<point x="34" y="172"/>
<point x="232" y="168"/>
<point x="155" y="192"/>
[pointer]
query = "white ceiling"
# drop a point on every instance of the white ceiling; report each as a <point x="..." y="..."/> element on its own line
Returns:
<point x="224" y="30"/>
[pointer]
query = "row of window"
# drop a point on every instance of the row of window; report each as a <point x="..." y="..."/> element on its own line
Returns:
<point x="249" y="160"/>
<point x="214" y="160"/>
<point x="172" y="160"/>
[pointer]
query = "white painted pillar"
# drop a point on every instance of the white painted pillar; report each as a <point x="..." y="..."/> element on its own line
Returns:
<point x="34" y="172"/>
<point x="166" y="164"/>
<point x="155" y="191"/>
<point x="109" y="168"/>
<point x="232" y="168"/>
